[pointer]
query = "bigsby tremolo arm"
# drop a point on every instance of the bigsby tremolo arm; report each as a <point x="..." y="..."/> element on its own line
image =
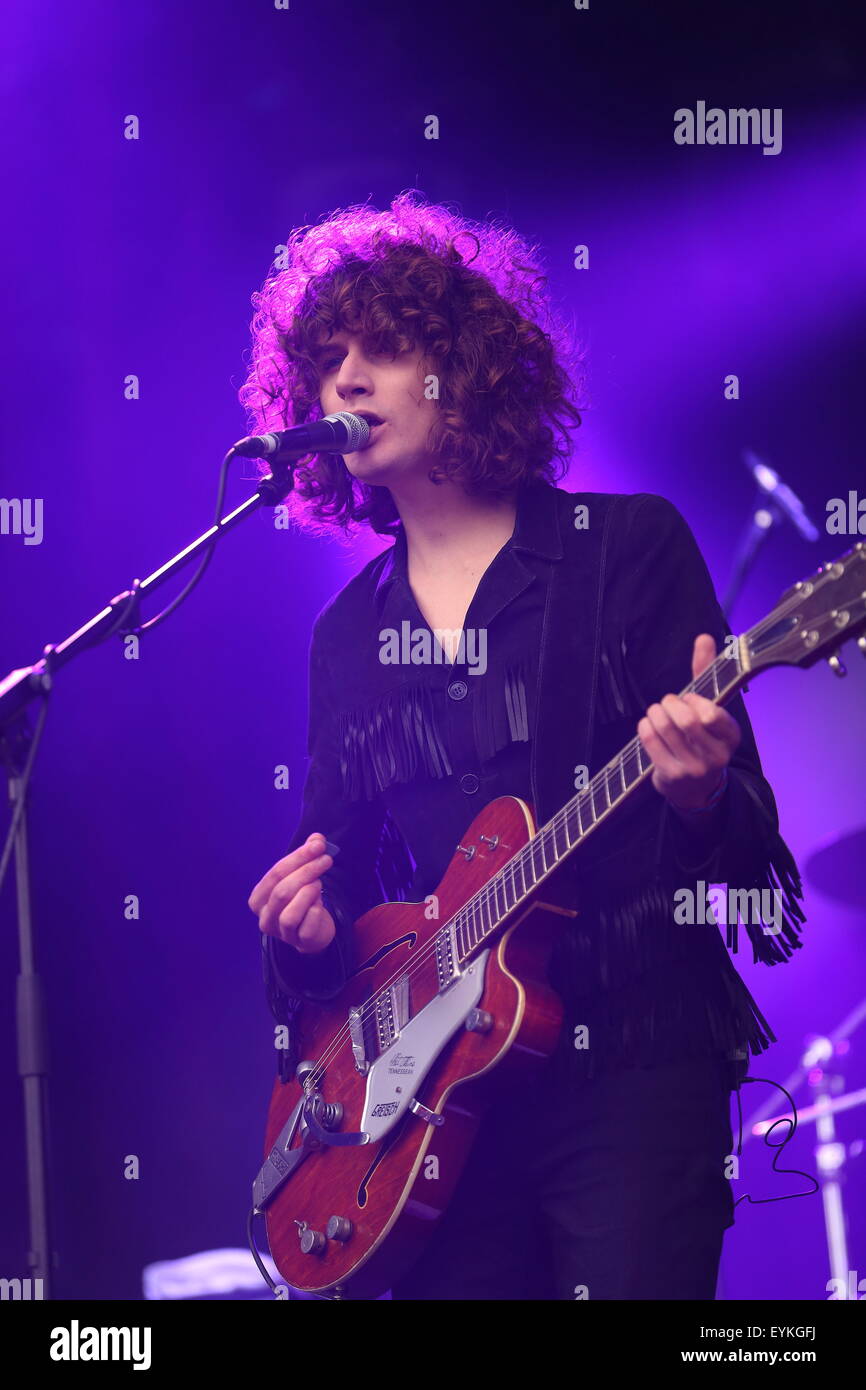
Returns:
<point x="314" y="1119"/>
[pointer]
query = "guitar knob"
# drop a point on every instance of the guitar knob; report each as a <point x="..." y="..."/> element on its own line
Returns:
<point x="313" y="1242"/>
<point x="836" y="666"/>
<point x="479" y="1021"/>
<point x="339" y="1228"/>
<point x="861" y="643"/>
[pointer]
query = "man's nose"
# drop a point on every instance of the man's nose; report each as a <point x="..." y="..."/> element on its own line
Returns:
<point x="352" y="384"/>
<point x="353" y="377"/>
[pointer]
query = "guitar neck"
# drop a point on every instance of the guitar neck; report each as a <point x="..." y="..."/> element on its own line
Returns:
<point x="484" y="913"/>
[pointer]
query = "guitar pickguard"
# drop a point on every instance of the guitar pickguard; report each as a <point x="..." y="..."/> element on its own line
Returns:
<point x="396" y="1075"/>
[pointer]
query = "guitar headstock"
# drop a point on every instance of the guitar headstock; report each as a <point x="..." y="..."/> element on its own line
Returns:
<point x="814" y="618"/>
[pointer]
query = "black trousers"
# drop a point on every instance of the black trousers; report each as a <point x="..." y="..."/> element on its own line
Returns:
<point x="609" y="1188"/>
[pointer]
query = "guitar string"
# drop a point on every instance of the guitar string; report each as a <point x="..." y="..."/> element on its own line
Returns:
<point x="483" y="895"/>
<point x="486" y="894"/>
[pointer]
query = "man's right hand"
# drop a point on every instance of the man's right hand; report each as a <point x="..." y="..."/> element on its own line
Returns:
<point x="288" y="900"/>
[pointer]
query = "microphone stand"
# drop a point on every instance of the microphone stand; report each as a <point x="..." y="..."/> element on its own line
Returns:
<point x="18" y="746"/>
<point x="756" y="530"/>
<point x="775" y="503"/>
<point x="831" y="1153"/>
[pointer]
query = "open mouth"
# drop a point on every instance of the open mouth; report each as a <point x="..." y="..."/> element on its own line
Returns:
<point x="374" y="421"/>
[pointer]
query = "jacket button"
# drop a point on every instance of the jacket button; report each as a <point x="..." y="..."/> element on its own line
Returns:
<point x="458" y="690"/>
<point x="469" y="782"/>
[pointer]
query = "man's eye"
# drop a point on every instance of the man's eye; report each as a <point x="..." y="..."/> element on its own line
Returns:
<point x="328" y="361"/>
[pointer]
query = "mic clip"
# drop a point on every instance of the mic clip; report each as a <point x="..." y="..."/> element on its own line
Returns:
<point x="277" y="485"/>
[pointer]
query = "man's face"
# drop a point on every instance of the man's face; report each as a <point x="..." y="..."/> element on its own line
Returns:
<point x="391" y="390"/>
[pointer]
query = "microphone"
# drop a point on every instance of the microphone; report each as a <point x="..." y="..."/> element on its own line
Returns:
<point x="342" y="433"/>
<point x="788" y="502"/>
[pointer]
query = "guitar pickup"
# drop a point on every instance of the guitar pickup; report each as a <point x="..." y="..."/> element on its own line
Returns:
<point x="392" y="1012"/>
<point x="446" y="956"/>
<point x="386" y="1018"/>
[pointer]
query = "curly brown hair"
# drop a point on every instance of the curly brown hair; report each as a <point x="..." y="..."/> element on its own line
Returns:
<point x="507" y="366"/>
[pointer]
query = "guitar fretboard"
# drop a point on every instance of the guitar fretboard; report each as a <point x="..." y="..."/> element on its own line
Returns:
<point x="480" y="917"/>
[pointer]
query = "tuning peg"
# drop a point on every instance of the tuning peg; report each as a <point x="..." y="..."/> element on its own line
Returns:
<point x="836" y="665"/>
<point x="861" y="643"/>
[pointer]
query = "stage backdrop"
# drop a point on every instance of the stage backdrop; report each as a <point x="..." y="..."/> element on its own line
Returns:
<point x="155" y="158"/>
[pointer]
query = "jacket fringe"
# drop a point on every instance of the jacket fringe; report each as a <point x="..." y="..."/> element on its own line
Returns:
<point x="500" y="717"/>
<point x="386" y="740"/>
<point x="613" y="942"/>
<point x="692" y="1012"/>
<point x="619" y="698"/>
<point x="644" y="988"/>
<point x="782" y="877"/>
<point x="391" y="738"/>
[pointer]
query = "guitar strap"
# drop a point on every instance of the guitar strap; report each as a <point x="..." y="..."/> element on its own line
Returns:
<point x="567" y="703"/>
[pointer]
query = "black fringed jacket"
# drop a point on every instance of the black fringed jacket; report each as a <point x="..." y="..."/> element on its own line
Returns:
<point x="624" y="596"/>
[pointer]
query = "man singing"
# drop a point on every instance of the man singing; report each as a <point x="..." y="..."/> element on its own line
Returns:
<point x="592" y="611"/>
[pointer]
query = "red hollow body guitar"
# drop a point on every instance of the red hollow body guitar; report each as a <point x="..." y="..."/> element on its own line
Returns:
<point x="442" y="1011"/>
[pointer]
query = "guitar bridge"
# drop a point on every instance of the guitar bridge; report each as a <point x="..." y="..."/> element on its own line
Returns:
<point x="358" y="1040"/>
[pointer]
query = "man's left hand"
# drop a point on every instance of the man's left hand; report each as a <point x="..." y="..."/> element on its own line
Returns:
<point x="689" y="739"/>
